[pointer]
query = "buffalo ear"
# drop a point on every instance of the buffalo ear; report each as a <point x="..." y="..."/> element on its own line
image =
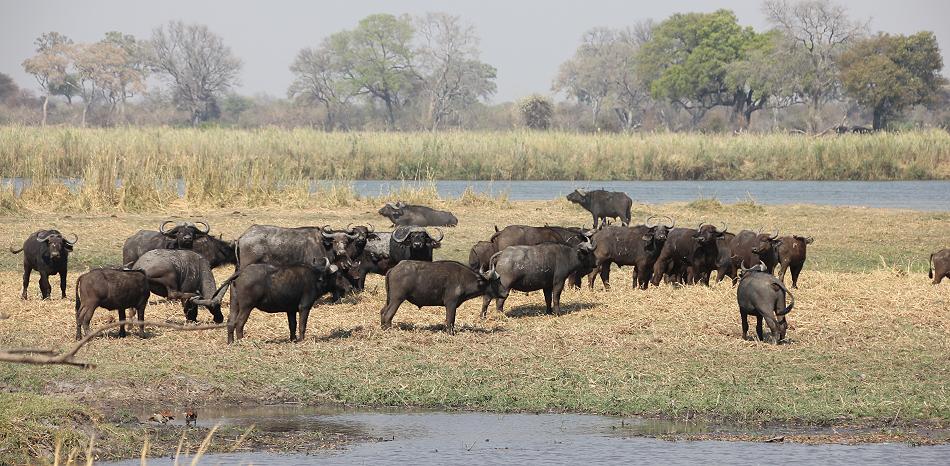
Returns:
<point x="809" y="240"/>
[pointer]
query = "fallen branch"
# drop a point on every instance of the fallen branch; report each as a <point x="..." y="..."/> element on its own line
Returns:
<point x="44" y="356"/>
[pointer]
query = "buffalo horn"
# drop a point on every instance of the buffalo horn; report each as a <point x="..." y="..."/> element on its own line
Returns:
<point x="774" y="235"/>
<point x="672" y="222"/>
<point x="206" y="229"/>
<point x="349" y="228"/>
<point x="441" y="235"/>
<point x="43" y="237"/>
<point x="370" y="228"/>
<point x="405" y="234"/>
<point x="73" y="241"/>
<point x="724" y="228"/>
<point x="161" y="228"/>
<point x="647" y="222"/>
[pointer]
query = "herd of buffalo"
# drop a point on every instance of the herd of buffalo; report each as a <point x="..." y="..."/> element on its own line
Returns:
<point x="279" y="269"/>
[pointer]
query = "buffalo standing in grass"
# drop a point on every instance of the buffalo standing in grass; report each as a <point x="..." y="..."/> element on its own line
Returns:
<point x="374" y="259"/>
<point x="543" y="267"/>
<point x="603" y="204"/>
<point x="402" y="214"/>
<point x="289" y="289"/>
<point x="939" y="266"/>
<point x="183" y="275"/>
<point x="480" y="255"/>
<point x="751" y="248"/>
<point x="638" y="246"/>
<point x="440" y="283"/>
<point x="690" y="253"/>
<point x="47" y="252"/>
<point x="727" y="265"/>
<point x="170" y="235"/>
<point x="791" y="256"/>
<point x="115" y="289"/>
<point x="523" y="235"/>
<point x="764" y="296"/>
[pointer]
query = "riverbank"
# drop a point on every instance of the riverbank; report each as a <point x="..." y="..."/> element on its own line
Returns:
<point x="869" y="336"/>
<point x="231" y="167"/>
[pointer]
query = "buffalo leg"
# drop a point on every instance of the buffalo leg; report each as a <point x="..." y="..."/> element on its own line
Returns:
<point x="604" y="276"/>
<point x="745" y="325"/>
<point x="62" y="282"/>
<point x="304" y="316"/>
<point x="796" y="269"/>
<point x="758" y="326"/>
<point x="596" y="220"/>
<point x="781" y="271"/>
<point x="242" y="317"/>
<point x="388" y="311"/>
<point x="592" y="277"/>
<point x="292" y="324"/>
<point x="26" y="278"/>
<point x="558" y="288"/>
<point x="643" y="276"/>
<point x="500" y="304"/>
<point x="486" y="300"/>
<point x="232" y="317"/>
<point x="547" y="301"/>
<point x="45" y="289"/>
<point x="773" y="327"/>
<point x="450" y="309"/>
<point x="140" y="314"/>
<point x="122" y="333"/>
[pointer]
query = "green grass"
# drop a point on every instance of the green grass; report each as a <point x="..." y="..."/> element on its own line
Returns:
<point x="225" y="167"/>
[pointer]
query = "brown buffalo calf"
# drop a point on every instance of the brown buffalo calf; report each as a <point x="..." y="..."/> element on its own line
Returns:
<point x="115" y="289"/>
<point x="940" y="265"/>
<point x="791" y="255"/>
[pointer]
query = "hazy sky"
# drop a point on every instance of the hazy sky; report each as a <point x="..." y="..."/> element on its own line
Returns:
<point x="525" y="40"/>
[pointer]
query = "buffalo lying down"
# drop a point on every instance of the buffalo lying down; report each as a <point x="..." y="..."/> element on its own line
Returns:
<point x="764" y="296"/>
<point x="402" y="214"/>
<point x="47" y="252"/>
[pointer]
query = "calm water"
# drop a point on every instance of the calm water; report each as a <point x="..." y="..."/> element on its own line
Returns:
<point x="917" y="195"/>
<point x="478" y="438"/>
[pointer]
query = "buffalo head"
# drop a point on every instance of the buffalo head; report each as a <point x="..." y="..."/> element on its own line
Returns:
<point x="337" y="241"/>
<point x="56" y="244"/>
<point x="766" y="243"/>
<point x="579" y="196"/>
<point x="184" y="233"/>
<point x="658" y="231"/>
<point x="708" y="234"/>
<point x="418" y="238"/>
<point x="391" y="211"/>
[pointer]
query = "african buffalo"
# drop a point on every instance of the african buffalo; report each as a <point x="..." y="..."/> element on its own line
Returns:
<point x="544" y="267"/>
<point x="440" y="283"/>
<point x="690" y="253"/>
<point x="762" y="295"/>
<point x="413" y="243"/>
<point x="727" y="265"/>
<point x="113" y="289"/>
<point x="480" y="255"/>
<point x="523" y="235"/>
<point x="181" y="236"/>
<point x="290" y="289"/>
<point x="638" y="246"/>
<point x="939" y="266"/>
<point x="47" y="252"/>
<point x="752" y="247"/>
<point x="374" y="259"/>
<point x="216" y="251"/>
<point x="183" y="275"/>
<point x="791" y="255"/>
<point x="402" y="214"/>
<point x="603" y="204"/>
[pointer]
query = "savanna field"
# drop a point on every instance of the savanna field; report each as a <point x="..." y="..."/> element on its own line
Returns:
<point x="868" y="341"/>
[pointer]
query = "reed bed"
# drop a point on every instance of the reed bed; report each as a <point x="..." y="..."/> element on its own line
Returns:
<point x="138" y="168"/>
<point x="869" y="336"/>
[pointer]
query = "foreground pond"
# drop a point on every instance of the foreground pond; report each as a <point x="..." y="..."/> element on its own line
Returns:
<point x="401" y="437"/>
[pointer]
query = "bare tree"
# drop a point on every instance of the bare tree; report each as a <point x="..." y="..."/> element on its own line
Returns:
<point x="50" y="65"/>
<point x="319" y="76"/>
<point x="452" y="76"/>
<point x="818" y="31"/>
<point x="588" y="75"/>
<point x="632" y="95"/>
<point x="197" y="63"/>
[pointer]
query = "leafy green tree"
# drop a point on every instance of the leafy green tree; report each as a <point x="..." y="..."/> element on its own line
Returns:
<point x="321" y="77"/>
<point x="536" y="111"/>
<point x="888" y="73"/>
<point x="377" y="58"/>
<point x="687" y="62"/>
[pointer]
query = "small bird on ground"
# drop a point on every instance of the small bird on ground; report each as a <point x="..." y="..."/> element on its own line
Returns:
<point x="162" y="417"/>
<point x="191" y="417"/>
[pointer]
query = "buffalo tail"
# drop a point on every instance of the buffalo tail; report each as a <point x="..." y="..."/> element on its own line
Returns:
<point x="930" y="272"/>
<point x="791" y="299"/>
<point x="15" y="251"/>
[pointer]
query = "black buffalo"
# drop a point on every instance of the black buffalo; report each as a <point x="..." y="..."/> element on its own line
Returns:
<point x="603" y="204"/>
<point x="289" y="289"/>
<point x="727" y="265"/>
<point x="480" y="255"/>
<point x="524" y="235"/>
<point x="689" y="254"/>
<point x="115" y="289"/>
<point x="764" y="296"/>
<point x="939" y="266"/>
<point x="791" y="256"/>
<point x="170" y="235"/>
<point x="638" y="246"/>
<point x="751" y="248"/>
<point x="216" y="251"/>
<point x="47" y="252"/>
<point x="413" y="243"/>
<point x="440" y="283"/>
<point x="402" y="214"/>
<point x="183" y="275"/>
<point x="543" y="267"/>
<point x="374" y="259"/>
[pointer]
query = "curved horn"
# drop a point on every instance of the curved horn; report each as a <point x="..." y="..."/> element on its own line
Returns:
<point x="396" y="234"/>
<point x="441" y="235"/>
<point x="724" y="228"/>
<point x="206" y="229"/>
<point x="73" y="241"/>
<point x="326" y="262"/>
<point x="700" y="227"/>
<point x="672" y="222"/>
<point x="647" y="222"/>
<point x="42" y="237"/>
<point x="349" y="228"/>
<point x="370" y="228"/>
<point x="774" y="236"/>
<point x="161" y="227"/>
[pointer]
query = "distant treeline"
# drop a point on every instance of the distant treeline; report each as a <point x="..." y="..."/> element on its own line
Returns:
<point x="816" y="67"/>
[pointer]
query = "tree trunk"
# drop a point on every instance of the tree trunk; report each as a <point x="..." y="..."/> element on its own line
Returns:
<point x="813" y="120"/>
<point x="391" y="112"/>
<point x="82" y="120"/>
<point x="595" y="110"/>
<point x="879" y="120"/>
<point x="45" y="106"/>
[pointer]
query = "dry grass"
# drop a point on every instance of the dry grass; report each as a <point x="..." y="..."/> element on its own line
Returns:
<point x="868" y="343"/>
